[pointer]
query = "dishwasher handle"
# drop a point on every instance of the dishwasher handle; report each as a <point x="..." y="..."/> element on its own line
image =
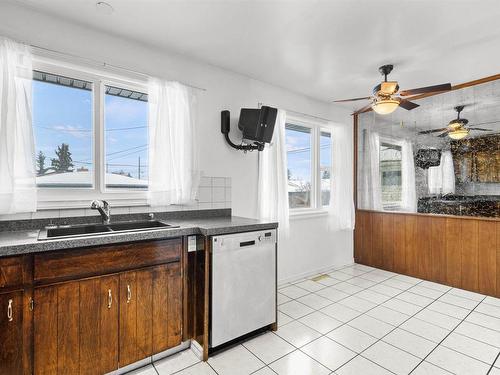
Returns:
<point x="247" y="243"/>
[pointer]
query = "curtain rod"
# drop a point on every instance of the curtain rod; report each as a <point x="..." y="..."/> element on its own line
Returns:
<point x="260" y="104"/>
<point x="105" y="64"/>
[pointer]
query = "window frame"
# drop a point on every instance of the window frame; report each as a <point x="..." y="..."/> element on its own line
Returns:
<point x="78" y="197"/>
<point x="316" y="127"/>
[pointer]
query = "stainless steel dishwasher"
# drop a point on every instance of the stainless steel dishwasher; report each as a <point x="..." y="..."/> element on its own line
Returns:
<point x="243" y="284"/>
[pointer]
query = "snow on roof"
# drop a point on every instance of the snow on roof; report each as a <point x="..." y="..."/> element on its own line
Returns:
<point x="85" y="178"/>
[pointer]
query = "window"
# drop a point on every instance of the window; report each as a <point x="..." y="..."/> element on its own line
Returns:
<point x="91" y="137"/>
<point x="299" y="171"/>
<point x="390" y="174"/>
<point x="63" y="128"/>
<point x="309" y="165"/>
<point x="126" y="138"/>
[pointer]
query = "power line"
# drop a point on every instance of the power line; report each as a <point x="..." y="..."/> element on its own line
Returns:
<point x="130" y="153"/>
<point x="127" y="149"/>
<point x="119" y="129"/>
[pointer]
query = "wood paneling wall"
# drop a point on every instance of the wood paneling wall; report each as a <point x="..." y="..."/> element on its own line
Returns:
<point x="460" y="252"/>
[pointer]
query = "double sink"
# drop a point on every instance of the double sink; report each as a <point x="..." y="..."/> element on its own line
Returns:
<point x="69" y="231"/>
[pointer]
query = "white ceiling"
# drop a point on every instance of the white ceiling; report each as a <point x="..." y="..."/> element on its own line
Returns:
<point x="324" y="49"/>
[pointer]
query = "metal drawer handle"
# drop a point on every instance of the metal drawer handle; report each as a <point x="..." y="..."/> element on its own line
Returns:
<point x="110" y="299"/>
<point x="9" y="311"/>
<point x="129" y="294"/>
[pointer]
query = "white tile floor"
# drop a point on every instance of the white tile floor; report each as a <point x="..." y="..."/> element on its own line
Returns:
<point x="360" y="320"/>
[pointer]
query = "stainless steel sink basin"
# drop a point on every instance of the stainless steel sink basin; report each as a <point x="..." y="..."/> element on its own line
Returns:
<point x="135" y="225"/>
<point x="100" y="229"/>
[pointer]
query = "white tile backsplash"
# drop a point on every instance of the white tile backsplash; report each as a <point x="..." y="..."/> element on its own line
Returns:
<point x="213" y="193"/>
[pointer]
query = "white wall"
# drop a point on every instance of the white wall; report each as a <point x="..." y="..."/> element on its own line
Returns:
<point x="311" y="247"/>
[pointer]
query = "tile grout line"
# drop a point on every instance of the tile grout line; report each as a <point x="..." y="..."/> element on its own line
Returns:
<point x="380" y="339"/>
<point x="360" y="275"/>
<point x="321" y="335"/>
<point x="493" y="364"/>
<point x="449" y="333"/>
<point x="345" y="323"/>
<point x="411" y="316"/>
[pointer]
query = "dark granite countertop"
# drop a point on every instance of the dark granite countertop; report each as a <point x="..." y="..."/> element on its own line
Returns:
<point x="25" y="241"/>
<point x="462" y="198"/>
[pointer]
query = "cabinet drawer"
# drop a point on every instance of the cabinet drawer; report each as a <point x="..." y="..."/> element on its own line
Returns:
<point x="14" y="272"/>
<point x="79" y="263"/>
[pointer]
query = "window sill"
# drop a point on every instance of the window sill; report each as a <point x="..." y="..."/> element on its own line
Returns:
<point x="307" y="213"/>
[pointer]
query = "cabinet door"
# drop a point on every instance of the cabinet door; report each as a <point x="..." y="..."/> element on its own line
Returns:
<point x="167" y="306"/>
<point x="76" y="327"/>
<point x="150" y="311"/>
<point x="136" y="324"/>
<point x="99" y="325"/>
<point x="13" y="319"/>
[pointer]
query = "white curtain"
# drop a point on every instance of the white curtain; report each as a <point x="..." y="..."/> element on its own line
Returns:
<point x="448" y="173"/>
<point x="273" y="180"/>
<point x="441" y="179"/>
<point x="408" y="188"/>
<point x="341" y="209"/>
<point x="17" y="148"/>
<point x="173" y="159"/>
<point x="369" y="180"/>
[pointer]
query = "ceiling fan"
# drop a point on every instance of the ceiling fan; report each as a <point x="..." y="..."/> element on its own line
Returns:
<point x="457" y="128"/>
<point x="384" y="99"/>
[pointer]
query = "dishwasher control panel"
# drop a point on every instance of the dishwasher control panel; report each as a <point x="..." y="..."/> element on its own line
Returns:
<point x="246" y="239"/>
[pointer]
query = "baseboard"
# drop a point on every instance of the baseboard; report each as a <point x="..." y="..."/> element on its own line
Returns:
<point x="310" y="273"/>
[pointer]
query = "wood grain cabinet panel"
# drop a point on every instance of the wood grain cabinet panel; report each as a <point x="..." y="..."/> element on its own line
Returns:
<point x="461" y="252"/>
<point x="76" y="327"/>
<point x="79" y="263"/>
<point x="136" y="335"/>
<point x="15" y="272"/>
<point x="438" y="250"/>
<point x="13" y="342"/>
<point x="487" y="265"/>
<point x="470" y="255"/>
<point x="150" y="311"/>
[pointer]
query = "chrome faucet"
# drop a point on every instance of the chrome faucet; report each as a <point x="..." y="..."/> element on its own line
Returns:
<point x="103" y="208"/>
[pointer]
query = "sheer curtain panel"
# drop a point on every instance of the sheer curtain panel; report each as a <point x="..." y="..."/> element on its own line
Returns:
<point x="369" y="181"/>
<point x="441" y="179"/>
<point x="173" y="159"/>
<point x="273" y="181"/>
<point x="408" y="189"/>
<point x="341" y="209"/>
<point x="17" y="148"/>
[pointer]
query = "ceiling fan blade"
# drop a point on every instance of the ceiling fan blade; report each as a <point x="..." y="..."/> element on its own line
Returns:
<point x="481" y="129"/>
<point x="427" y="89"/>
<point x="406" y="104"/>
<point x="366" y="108"/>
<point x="432" y="131"/>
<point x="351" y="100"/>
<point x="442" y="135"/>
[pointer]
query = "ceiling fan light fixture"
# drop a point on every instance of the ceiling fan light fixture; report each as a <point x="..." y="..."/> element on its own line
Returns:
<point x="458" y="134"/>
<point x="385" y="106"/>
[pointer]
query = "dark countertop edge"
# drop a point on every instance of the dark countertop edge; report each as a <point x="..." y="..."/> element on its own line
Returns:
<point x="33" y="247"/>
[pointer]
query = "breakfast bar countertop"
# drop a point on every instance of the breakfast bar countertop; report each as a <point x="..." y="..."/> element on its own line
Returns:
<point x="18" y="242"/>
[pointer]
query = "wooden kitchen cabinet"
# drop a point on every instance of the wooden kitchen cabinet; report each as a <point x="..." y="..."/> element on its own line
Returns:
<point x="15" y="338"/>
<point x="150" y="311"/>
<point x="96" y="325"/>
<point x="167" y="307"/>
<point x="90" y="311"/>
<point x="136" y="334"/>
<point x="76" y="327"/>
